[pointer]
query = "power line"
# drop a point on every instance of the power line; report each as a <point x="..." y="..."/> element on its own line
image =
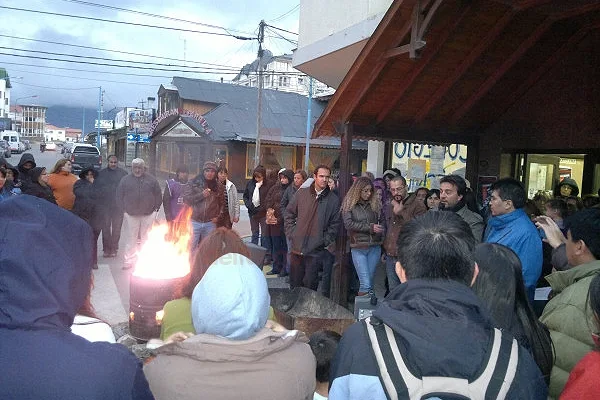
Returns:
<point x="89" y="3"/>
<point x="284" y="14"/>
<point x="56" y="88"/>
<point x="86" y="78"/>
<point x="295" y="43"/>
<point x="116" y="65"/>
<point x="113" y="51"/>
<point x="127" y="23"/>
<point x="283" y="30"/>
<point x="119" y="60"/>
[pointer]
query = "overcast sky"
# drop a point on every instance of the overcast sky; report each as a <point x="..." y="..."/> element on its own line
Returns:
<point x="54" y="85"/>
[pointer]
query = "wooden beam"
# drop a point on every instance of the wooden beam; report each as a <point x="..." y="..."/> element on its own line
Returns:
<point x="367" y="86"/>
<point x="333" y="109"/>
<point x="427" y="21"/>
<point x="405" y="48"/>
<point x="447" y="30"/>
<point x="417" y="15"/>
<point x="502" y="69"/>
<point x="464" y="66"/>
<point x="339" y="278"/>
<point x="575" y="11"/>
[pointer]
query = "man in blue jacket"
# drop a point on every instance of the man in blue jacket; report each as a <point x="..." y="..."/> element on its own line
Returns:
<point x="511" y="226"/>
<point x="41" y="289"/>
<point x="431" y="336"/>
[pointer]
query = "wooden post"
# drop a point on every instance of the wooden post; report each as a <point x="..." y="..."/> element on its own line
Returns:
<point x="339" y="280"/>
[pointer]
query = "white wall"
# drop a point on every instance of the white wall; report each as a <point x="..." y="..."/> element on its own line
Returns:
<point x="4" y="99"/>
<point x="52" y="135"/>
<point x="322" y="18"/>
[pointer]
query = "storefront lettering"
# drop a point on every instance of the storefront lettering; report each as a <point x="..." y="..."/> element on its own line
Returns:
<point x="182" y="113"/>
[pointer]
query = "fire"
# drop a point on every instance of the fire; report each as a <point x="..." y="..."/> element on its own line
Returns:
<point x="166" y="252"/>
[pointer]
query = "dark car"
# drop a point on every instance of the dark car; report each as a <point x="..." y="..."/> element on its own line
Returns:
<point x="5" y="149"/>
<point x="84" y="155"/>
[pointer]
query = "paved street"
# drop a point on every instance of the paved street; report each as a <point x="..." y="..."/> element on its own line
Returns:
<point x="110" y="295"/>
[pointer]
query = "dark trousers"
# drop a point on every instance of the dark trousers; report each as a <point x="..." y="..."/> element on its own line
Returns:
<point x="95" y="245"/>
<point x="304" y="271"/>
<point x="111" y="230"/>
<point x="259" y="229"/>
<point x="328" y="262"/>
<point x="278" y="247"/>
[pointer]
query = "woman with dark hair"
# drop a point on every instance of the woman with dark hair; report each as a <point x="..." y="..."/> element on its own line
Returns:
<point x="177" y="313"/>
<point x="583" y="381"/>
<point x="6" y="189"/>
<point x="432" y="200"/>
<point x="421" y="194"/>
<point x="274" y="219"/>
<point x="61" y="180"/>
<point x="500" y="287"/>
<point x="87" y="205"/>
<point x="255" y="197"/>
<point x="38" y="185"/>
<point x="231" y="213"/>
<point x="361" y="213"/>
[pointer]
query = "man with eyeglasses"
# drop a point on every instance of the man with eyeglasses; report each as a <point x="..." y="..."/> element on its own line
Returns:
<point x="402" y="208"/>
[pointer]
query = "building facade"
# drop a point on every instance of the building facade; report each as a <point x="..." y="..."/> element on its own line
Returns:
<point x="54" y="134"/>
<point x="33" y="121"/>
<point x="4" y="93"/>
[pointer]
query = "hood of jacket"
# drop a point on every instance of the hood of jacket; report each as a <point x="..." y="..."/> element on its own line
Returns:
<point x="24" y="158"/>
<point x="205" y="347"/>
<point x="232" y="299"/>
<point x="439" y="317"/>
<point x="42" y="289"/>
<point x="288" y="173"/>
<point x="569" y="182"/>
<point x="35" y="173"/>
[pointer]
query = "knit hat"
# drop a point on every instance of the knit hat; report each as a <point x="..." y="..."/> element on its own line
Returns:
<point x="232" y="299"/>
<point x="210" y="165"/>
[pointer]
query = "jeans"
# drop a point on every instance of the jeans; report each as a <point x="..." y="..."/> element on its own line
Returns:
<point x="112" y="221"/>
<point x="365" y="261"/>
<point x="201" y="230"/>
<point x="278" y="247"/>
<point x="390" y="272"/>
<point x="260" y="224"/>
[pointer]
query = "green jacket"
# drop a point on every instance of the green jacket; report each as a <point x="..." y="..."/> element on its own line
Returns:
<point x="568" y="320"/>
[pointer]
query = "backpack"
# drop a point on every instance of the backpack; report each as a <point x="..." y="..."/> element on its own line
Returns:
<point x="398" y="382"/>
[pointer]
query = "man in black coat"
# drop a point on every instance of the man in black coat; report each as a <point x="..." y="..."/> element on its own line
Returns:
<point x="110" y="215"/>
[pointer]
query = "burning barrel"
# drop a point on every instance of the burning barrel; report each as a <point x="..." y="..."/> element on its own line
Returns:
<point x="147" y="298"/>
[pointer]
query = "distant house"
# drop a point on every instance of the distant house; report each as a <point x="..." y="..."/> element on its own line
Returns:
<point x="54" y="133"/>
<point x="72" y="134"/>
<point x="200" y="120"/>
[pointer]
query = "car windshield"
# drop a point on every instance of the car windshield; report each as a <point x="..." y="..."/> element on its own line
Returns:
<point x="88" y="150"/>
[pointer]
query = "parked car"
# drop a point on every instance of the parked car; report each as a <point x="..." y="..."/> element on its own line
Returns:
<point x="50" y="146"/>
<point x="84" y="155"/>
<point x="14" y="140"/>
<point x="26" y="144"/>
<point x="66" y="149"/>
<point x="5" y="149"/>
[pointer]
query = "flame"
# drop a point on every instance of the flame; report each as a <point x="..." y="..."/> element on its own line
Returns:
<point x="166" y="252"/>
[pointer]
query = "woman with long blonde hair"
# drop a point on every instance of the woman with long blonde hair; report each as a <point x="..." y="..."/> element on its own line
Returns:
<point x="61" y="181"/>
<point x="361" y="213"/>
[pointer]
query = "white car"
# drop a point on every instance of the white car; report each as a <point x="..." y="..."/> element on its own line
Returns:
<point x="50" y="146"/>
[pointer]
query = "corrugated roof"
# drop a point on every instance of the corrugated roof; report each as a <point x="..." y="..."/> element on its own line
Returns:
<point x="284" y="113"/>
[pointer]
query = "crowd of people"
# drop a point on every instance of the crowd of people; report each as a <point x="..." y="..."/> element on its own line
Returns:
<point x="461" y="318"/>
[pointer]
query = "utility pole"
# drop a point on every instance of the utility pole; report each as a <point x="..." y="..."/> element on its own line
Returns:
<point x="261" y="37"/>
<point x="308" y="124"/>
<point x="99" y="117"/>
<point x="83" y="127"/>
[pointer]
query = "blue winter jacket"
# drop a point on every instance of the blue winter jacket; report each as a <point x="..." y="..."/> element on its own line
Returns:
<point x="441" y="329"/>
<point x="45" y="269"/>
<point x="516" y="231"/>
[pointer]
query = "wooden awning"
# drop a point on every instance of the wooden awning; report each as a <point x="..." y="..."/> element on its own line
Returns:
<point x="442" y="71"/>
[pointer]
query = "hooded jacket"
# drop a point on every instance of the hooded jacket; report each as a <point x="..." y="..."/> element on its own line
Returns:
<point x="516" y="231"/>
<point x="204" y="209"/>
<point x="87" y="200"/>
<point x="39" y="297"/>
<point x="233" y="356"/>
<point x="273" y="201"/>
<point x="441" y="328"/>
<point x="568" y="182"/>
<point x="569" y="320"/>
<point x="24" y="173"/>
<point x="34" y="188"/>
<point x="312" y="223"/>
